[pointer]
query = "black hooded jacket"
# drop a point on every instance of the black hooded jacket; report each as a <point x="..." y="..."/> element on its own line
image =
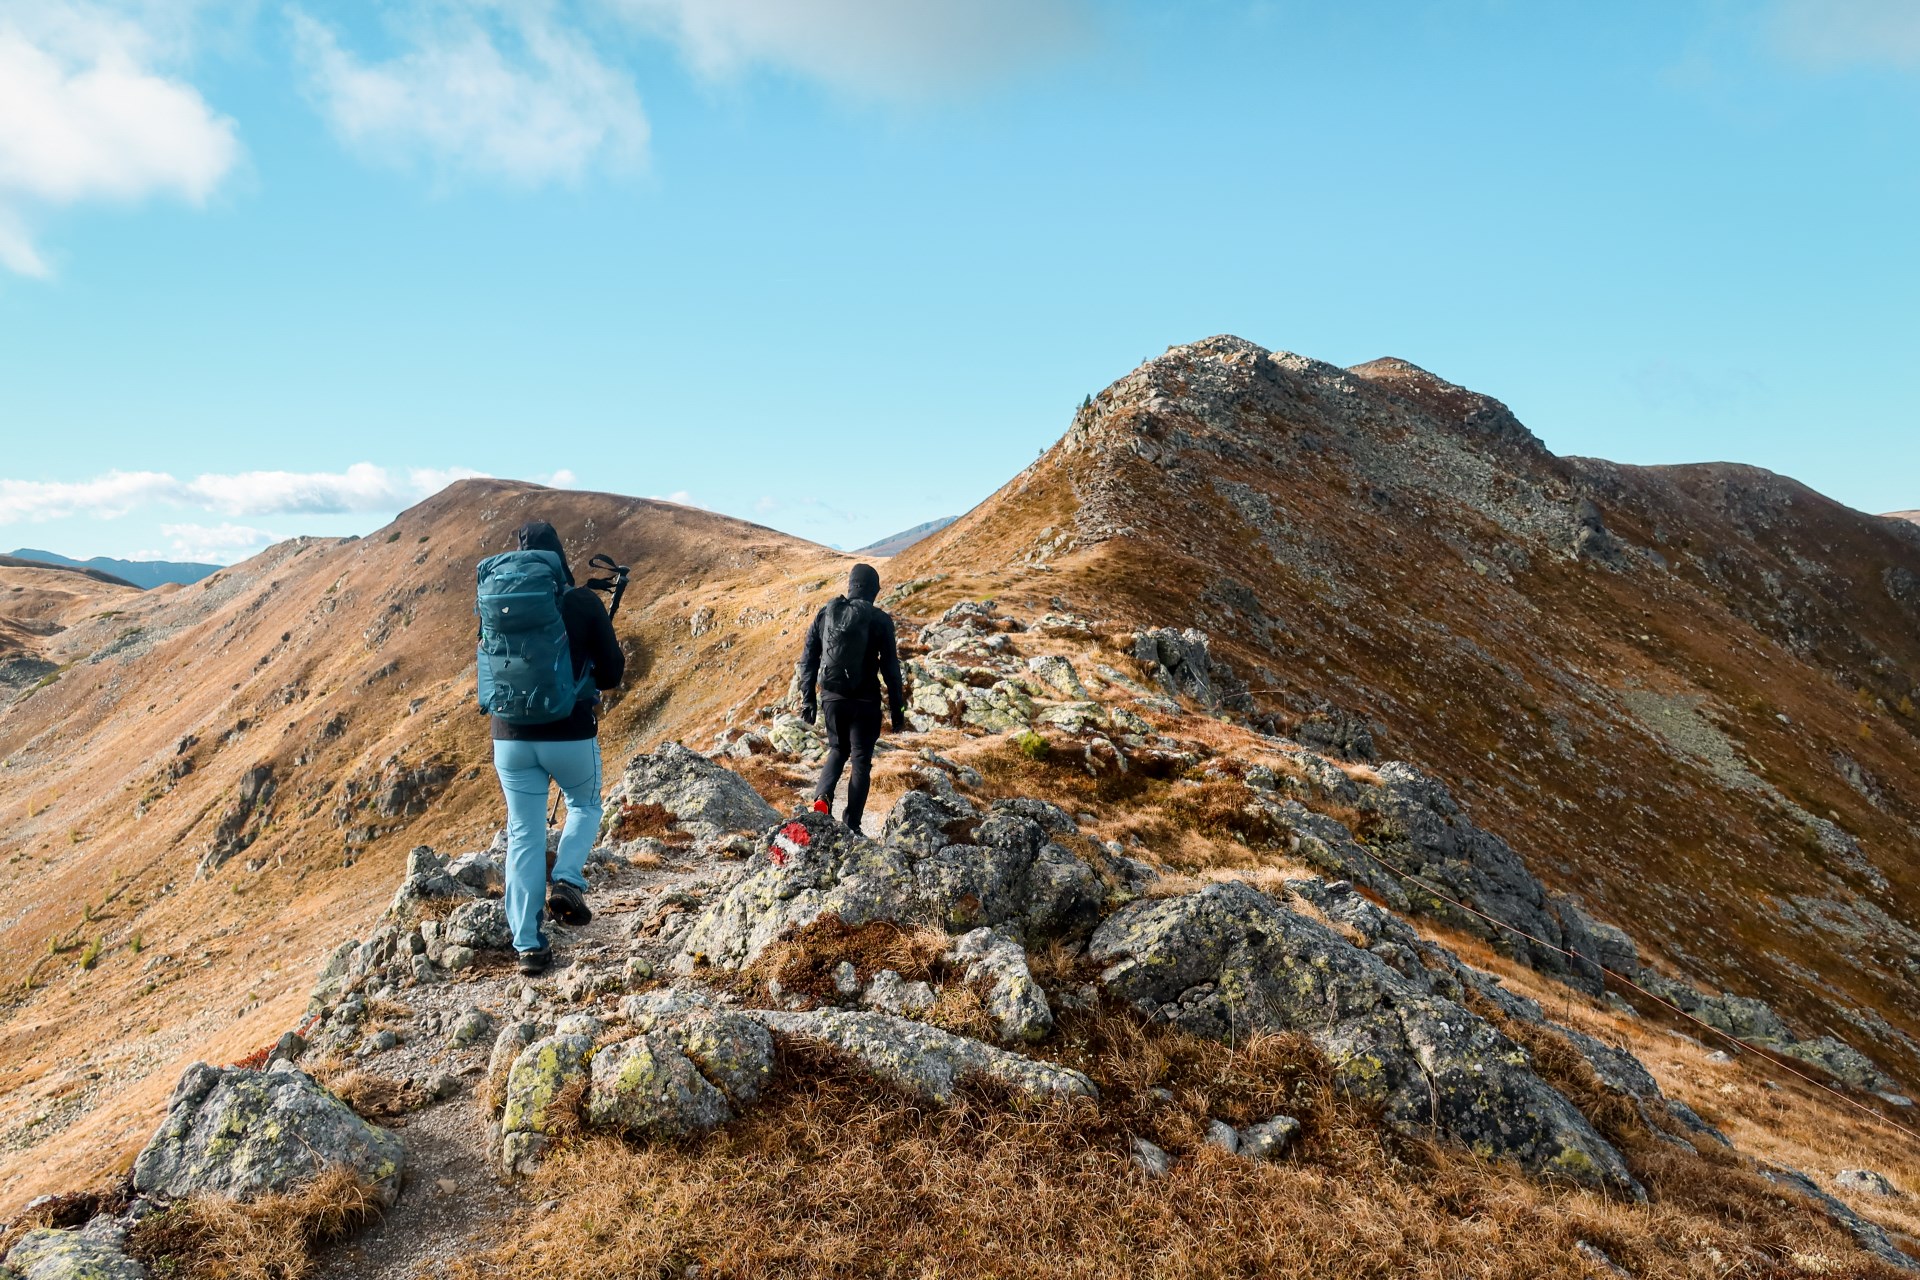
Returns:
<point x="883" y="654"/>
<point x="590" y="637"/>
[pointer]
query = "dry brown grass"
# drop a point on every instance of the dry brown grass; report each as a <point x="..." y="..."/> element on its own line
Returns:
<point x="372" y="1096"/>
<point x="803" y="963"/>
<point x="635" y="821"/>
<point x="272" y="1238"/>
<point x="834" y="1176"/>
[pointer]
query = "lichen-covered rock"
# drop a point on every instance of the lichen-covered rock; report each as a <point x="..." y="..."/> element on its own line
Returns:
<point x="1052" y="817"/>
<point x="1270" y="1139"/>
<point x="794" y="736"/>
<point x="427" y="880"/>
<point x="481" y="872"/>
<point x="813" y="867"/>
<point x="927" y="819"/>
<point x="1059" y="675"/>
<point x="1013" y="999"/>
<point x="1846" y="1063"/>
<point x="243" y="1133"/>
<point x="70" y="1255"/>
<point x="924" y="1060"/>
<point x="648" y="1087"/>
<point x="888" y="992"/>
<point x="703" y="797"/>
<point x="513" y="1038"/>
<point x="472" y="1027"/>
<point x="538" y="1095"/>
<point x="1226" y="961"/>
<point x="731" y="1050"/>
<point x="1865" y="1181"/>
<point x="479" y="926"/>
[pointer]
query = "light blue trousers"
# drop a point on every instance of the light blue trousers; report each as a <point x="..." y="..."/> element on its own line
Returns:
<point x="525" y="769"/>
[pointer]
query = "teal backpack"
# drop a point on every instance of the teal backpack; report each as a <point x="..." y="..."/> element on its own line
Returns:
<point x="525" y="663"/>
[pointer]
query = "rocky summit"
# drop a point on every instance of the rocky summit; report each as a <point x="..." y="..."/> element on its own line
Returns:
<point x="1333" y="835"/>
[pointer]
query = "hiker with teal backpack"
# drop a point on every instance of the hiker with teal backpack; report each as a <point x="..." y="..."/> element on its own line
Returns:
<point x="850" y="647"/>
<point x="546" y="651"/>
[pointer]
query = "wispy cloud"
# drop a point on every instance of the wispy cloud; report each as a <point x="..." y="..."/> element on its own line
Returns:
<point x="1831" y="34"/>
<point x="362" y="487"/>
<point x="679" y="497"/>
<point x="86" y="115"/>
<point x="214" y="544"/>
<point x="499" y="89"/>
<point x="870" y="48"/>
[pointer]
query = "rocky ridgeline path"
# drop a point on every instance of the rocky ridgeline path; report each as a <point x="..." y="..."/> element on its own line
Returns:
<point x="664" y="1015"/>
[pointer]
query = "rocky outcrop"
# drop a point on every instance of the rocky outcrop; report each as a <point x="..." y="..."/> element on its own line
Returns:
<point x="244" y="1133"/>
<point x="998" y="965"/>
<point x="1009" y="875"/>
<point x="923" y="1060"/>
<point x="89" y="1254"/>
<point x="1227" y="961"/>
<point x="703" y="797"/>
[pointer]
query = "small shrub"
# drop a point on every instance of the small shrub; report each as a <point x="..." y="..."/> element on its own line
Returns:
<point x="1905" y="706"/>
<point x="394" y="536"/>
<point x="90" y="954"/>
<point x="1032" y="746"/>
<point x="135" y="944"/>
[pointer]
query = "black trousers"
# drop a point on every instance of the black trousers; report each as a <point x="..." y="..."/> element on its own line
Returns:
<point x="852" y="729"/>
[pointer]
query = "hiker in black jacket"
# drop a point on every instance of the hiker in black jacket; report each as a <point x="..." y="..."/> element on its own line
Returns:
<point x="850" y="646"/>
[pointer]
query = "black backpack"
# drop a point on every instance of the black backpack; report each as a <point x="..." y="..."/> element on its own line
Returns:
<point x="846" y="627"/>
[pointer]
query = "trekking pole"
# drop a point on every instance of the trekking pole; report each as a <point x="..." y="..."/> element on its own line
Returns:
<point x="616" y="581"/>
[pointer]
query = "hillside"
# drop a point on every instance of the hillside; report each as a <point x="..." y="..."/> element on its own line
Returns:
<point x="1674" y="706"/>
<point x="1684" y="694"/>
<point x="225" y="776"/>
<point x="1913" y="516"/>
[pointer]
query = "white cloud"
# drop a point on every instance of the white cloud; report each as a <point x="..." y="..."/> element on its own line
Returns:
<point x="562" y="479"/>
<point x="493" y="87"/>
<point x="679" y="497"/>
<point x="215" y="544"/>
<point x="362" y="487"/>
<point x="1829" y="34"/>
<point x="85" y="116"/>
<point x="767" y="503"/>
<point x="878" y="48"/>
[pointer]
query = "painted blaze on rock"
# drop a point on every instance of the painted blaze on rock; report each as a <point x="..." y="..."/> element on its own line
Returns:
<point x="242" y="1133"/>
<point x="1227" y="960"/>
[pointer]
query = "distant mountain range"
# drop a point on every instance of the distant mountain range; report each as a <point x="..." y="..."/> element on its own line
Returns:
<point x="141" y="573"/>
<point x="1904" y="515"/>
<point x="893" y="546"/>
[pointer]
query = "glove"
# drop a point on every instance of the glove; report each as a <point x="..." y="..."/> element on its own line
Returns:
<point x="809" y="712"/>
<point x="899" y="720"/>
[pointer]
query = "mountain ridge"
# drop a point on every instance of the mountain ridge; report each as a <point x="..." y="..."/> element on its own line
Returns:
<point x="140" y="573"/>
<point x="1683" y="696"/>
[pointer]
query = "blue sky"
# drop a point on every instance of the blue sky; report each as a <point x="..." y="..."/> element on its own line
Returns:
<point x="840" y="266"/>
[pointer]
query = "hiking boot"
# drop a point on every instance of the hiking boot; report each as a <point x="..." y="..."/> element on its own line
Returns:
<point x="567" y="904"/>
<point x="821" y="806"/>
<point x="534" y="963"/>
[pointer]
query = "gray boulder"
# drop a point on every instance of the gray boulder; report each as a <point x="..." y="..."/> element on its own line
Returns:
<point x="1844" y="1062"/>
<point x="426" y="881"/>
<point x="481" y="872"/>
<point x="537" y="1097"/>
<point x="71" y="1255"/>
<point x="703" y="797"/>
<point x="924" y="1060"/>
<point x="1864" y="1181"/>
<point x="1013" y="999"/>
<point x="242" y="1133"/>
<point x="480" y="926"/>
<point x="646" y="1086"/>
<point x="513" y="1037"/>
<point x="1227" y="961"/>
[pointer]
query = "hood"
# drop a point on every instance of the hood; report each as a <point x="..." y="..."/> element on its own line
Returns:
<point x="863" y="583"/>
<point x="538" y="535"/>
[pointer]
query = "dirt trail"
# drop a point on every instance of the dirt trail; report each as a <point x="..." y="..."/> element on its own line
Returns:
<point x="454" y="1189"/>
